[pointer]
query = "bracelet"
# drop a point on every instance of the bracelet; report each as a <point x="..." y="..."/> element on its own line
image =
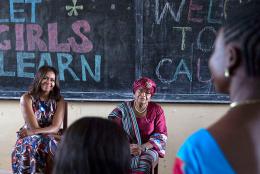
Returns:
<point x="145" y="149"/>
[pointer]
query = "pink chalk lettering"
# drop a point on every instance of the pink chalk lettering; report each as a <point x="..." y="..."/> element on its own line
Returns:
<point x="34" y="33"/>
<point x="19" y="42"/>
<point x="5" y="44"/>
<point x="86" y="45"/>
<point x="194" y="7"/>
<point x="54" y="46"/>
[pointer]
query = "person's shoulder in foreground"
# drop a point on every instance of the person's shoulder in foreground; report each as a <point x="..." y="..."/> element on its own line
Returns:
<point x="199" y="154"/>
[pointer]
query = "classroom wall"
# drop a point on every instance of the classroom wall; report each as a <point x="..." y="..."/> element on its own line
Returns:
<point x="182" y="120"/>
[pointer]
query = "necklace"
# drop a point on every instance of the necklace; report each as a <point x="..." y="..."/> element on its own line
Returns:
<point x="140" y="112"/>
<point x="246" y="102"/>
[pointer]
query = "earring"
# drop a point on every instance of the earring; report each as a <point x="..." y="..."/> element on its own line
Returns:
<point x="226" y="73"/>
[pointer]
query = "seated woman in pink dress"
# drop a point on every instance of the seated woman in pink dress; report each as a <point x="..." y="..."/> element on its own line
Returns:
<point x="43" y="111"/>
<point x="144" y="122"/>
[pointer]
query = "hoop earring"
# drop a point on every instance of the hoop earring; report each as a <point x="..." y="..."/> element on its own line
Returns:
<point x="226" y="73"/>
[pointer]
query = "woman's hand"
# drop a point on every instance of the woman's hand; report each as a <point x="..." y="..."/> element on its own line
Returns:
<point x="31" y="121"/>
<point x="135" y="149"/>
<point x="25" y="132"/>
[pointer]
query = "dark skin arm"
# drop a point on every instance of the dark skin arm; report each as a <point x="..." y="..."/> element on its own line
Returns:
<point x="33" y="126"/>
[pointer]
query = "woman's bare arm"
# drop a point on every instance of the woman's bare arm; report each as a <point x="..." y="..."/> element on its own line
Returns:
<point x="33" y="126"/>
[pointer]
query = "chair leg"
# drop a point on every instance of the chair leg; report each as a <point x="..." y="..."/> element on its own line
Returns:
<point x="156" y="169"/>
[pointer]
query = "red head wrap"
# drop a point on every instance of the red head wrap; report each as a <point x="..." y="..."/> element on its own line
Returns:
<point x="145" y="83"/>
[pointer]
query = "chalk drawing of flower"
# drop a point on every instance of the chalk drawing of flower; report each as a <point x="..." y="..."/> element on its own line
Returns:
<point x="73" y="9"/>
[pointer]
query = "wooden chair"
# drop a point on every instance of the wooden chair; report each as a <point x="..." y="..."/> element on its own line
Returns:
<point x="155" y="167"/>
<point x="65" y="119"/>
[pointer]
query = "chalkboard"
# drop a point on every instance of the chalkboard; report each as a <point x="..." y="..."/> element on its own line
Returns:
<point x="178" y="40"/>
<point x="101" y="46"/>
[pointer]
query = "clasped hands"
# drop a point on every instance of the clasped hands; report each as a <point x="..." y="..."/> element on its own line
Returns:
<point x="136" y="149"/>
<point x="25" y="132"/>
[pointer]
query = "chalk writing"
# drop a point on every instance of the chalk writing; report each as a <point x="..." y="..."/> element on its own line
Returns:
<point x="113" y="6"/>
<point x="181" y="69"/>
<point x="183" y="32"/>
<point x="206" y="47"/>
<point x="92" y="43"/>
<point x="220" y="5"/>
<point x="167" y="7"/>
<point x="34" y="33"/>
<point x="15" y="12"/>
<point x="199" y="77"/>
<point x="30" y="37"/>
<point x="73" y="9"/>
<point x="85" y="40"/>
<point x="26" y="60"/>
<point x="194" y="7"/>
<point x="230" y="3"/>
<point x="179" y="37"/>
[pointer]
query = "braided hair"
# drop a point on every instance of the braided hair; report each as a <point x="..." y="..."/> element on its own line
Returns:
<point x="243" y="26"/>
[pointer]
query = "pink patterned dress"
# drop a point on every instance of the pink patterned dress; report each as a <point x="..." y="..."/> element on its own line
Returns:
<point x="31" y="153"/>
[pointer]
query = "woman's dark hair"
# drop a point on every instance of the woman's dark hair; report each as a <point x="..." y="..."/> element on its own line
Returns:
<point x="243" y="26"/>
<point x="35" y="88"/>
<point x="93" y="145"/>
